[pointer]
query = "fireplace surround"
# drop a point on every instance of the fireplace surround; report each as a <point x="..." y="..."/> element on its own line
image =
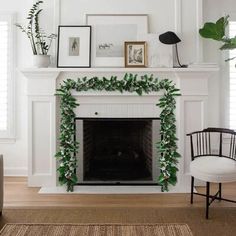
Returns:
<point x="43" y="116"/>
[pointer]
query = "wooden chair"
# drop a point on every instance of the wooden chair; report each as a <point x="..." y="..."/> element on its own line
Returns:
<point x="213" y="153"/>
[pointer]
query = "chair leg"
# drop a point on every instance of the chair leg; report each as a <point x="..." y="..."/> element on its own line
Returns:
<point x="207" y="199"/>
<point x="220" y="191"/>
<point x="192" y="187"/>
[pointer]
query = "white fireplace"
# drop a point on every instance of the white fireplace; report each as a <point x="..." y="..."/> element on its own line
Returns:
<point x="43" y="115"/>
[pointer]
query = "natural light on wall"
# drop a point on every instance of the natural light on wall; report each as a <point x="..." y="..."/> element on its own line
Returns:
<point x="4" y="60"/>
<point x="7" y="68"/>
<point x="232" y="83"/>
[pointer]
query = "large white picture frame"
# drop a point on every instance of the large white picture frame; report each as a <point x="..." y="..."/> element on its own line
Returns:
<point x="109" y="32"/>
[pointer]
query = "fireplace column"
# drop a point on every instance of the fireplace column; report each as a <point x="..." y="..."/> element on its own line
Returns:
<point x="41" y="89"/>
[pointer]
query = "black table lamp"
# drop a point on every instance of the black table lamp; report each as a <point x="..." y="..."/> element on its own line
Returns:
<point x="170" y="37"/>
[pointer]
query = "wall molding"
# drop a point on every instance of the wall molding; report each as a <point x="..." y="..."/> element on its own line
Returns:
<point x="199" y="22"/>
<point x="57" y="21"/>
<point x="178" y="16"/>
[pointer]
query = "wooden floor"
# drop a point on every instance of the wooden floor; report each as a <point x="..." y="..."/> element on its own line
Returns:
<point x="18" y="195"/>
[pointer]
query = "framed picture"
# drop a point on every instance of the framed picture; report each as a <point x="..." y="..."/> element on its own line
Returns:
<point x="109" y="32"/>
<point x="74" y="46"/>
<point x="135" y="54"/>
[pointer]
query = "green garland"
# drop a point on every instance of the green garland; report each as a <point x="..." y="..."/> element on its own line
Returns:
<point x="131" y="83"/>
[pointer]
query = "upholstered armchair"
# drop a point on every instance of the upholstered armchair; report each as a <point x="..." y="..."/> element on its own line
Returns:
<point x="213" y="153"/>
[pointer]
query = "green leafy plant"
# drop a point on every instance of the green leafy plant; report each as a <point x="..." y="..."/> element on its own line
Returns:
<point x="167" y="147"/>
<point x="217" y="31"/>
<point x="39" y="41"/>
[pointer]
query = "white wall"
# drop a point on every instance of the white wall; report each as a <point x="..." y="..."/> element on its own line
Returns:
<point x="15" y="151"/>
<point x="15" y="158"/>
<point x="213" y="10"/>
<point x="162" y="17"/>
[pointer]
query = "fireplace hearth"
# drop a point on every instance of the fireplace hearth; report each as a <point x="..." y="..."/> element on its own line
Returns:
<point x="117" y="150"/>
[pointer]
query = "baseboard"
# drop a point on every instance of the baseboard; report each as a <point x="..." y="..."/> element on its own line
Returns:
<point x="21" y="171"/>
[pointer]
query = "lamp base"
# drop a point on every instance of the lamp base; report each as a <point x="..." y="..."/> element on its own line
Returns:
<point x="176" y="62"/>
<point x="180" y="66"/>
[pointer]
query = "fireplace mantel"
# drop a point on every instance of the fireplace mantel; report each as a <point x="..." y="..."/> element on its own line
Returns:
<point x="43" y="112"/>
<point x="120" y="69"/>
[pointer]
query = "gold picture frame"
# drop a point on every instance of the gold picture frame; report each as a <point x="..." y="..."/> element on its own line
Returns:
<point x="135" y="54"/>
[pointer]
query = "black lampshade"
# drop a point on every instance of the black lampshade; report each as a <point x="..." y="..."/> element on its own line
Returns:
<point x="169" y="37"/>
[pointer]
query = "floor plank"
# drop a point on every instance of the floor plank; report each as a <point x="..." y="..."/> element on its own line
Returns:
<point x="17" y="194"/>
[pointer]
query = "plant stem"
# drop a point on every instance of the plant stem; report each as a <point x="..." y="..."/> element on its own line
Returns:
<point x="32" y="46"/>
<point x="32" y="38"/>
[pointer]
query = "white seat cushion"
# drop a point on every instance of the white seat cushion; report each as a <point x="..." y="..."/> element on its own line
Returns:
<point x="213" y="169"/>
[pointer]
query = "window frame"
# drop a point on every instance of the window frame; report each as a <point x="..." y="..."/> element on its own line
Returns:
<point x="224" y="80"/>
<point x="9" y="135"/>
<point x="229" y="74"/>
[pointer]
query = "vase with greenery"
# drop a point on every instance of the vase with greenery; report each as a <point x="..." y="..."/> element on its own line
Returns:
<point x="40" y="41"/>
<point x="217" y="31"/>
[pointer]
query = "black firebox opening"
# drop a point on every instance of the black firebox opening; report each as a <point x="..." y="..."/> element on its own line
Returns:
<point x="117" y="149"/>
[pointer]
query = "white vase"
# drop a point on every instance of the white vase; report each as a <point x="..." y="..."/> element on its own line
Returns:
<point x="41" y="61"/>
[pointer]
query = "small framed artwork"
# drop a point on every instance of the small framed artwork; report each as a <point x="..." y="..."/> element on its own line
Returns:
<point x="136" y="54"/>
<point x="110" y="31"/>
<point x="74" y="46"/>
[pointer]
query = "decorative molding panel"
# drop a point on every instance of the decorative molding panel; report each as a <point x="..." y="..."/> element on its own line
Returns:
<point x="194" y="118"/>
<point x="41" y="140"/>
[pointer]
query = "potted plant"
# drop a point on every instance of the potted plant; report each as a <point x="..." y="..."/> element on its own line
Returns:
<point x="217" y="31"/>
<point x="40" y="41"/>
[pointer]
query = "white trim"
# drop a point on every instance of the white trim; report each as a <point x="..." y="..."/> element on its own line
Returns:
<point x="11" y="123"/>
<point x="178" y="16"/>
<point x="57" y="22"/>
<point x="224" y="91"/>
<point x="199" y="22"/>
<point x="45" y="72"/>
<point x="57" y="14"/>
<point x="225" y="82"/>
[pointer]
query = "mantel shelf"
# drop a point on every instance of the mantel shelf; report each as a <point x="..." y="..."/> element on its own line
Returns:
<point x="119" y="70"/>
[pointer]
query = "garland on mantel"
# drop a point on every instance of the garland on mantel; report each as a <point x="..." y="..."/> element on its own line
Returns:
<point x="167" y="146"/>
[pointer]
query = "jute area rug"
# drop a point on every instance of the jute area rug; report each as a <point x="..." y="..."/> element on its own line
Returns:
<point x="96" y="230"/>
<point x="222" y="221"/>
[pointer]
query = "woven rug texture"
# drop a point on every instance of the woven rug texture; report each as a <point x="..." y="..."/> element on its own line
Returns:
<point x="96" y="230"/>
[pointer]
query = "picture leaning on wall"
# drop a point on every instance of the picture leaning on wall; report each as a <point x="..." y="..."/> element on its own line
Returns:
<point x="110" y="31"/>
<point x="136" y="54"/>
<point x="74" y="46"/>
